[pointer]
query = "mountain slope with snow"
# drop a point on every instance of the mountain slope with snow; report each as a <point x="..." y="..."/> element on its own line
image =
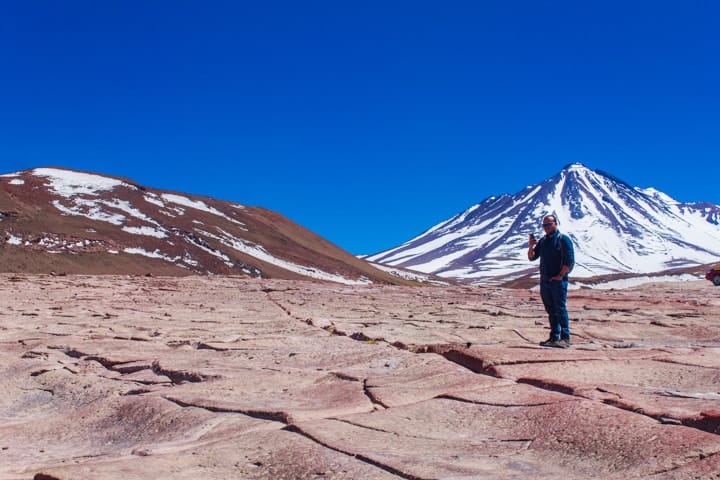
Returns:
<point x="61" y="220"/>
<point x="615" y="228"/>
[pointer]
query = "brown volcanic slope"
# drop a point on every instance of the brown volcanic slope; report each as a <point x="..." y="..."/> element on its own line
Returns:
<point x="65" y="221"/>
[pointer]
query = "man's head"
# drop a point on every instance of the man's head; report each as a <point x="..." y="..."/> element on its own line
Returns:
<point x="549" y="224"/>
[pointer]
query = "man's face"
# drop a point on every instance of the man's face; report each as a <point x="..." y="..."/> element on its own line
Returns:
<point x="549" y="225"/>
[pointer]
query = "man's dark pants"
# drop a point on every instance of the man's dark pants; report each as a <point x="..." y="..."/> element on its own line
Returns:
<point x="554" y="297"/>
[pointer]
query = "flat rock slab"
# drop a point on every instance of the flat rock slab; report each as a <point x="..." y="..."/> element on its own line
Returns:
<point x="666" y="386"/>
<point x="258" y="455"/>
<point x="220" y="377"/>
<point x="445" y="438"/>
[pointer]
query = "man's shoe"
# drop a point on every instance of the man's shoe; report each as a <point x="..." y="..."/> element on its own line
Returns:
<point x="557" y="344"/>
<point x="547" y="342"/>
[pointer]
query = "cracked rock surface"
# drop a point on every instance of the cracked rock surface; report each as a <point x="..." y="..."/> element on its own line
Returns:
<point x="220" y="377"/>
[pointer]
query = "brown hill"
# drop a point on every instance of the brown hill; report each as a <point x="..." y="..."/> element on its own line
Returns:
<point x="66" y="221"/>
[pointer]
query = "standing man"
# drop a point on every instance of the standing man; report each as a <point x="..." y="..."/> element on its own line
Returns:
<point x="557" y="259"/>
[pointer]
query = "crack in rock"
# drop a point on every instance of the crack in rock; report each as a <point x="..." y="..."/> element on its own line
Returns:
<point x="282" y="417"/>
<point x="371" y="396"/>
<point x="181" y="376"/>
<point x="137" y="391"/>
<point x="474" y="364"/>
<point x="503" y="405"/>
<point x="547" y="385"/>
<point x="358" y="456"/>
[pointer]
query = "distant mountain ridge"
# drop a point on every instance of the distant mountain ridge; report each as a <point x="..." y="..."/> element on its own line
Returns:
<point x="616" y="228"/>
<point x="66" y="221"/>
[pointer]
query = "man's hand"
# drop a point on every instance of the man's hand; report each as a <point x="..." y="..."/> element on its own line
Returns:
<point x="563" y="271"/>
<point x="532" y="241"/>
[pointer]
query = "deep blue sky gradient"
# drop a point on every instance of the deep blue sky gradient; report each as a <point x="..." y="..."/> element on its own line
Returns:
<point x="367" y="122"/>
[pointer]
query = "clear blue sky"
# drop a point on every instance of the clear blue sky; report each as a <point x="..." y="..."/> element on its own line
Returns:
<point x="365" y="121"/>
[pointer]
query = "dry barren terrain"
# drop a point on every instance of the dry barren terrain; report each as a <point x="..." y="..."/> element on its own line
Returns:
<point x="120" y="377"/>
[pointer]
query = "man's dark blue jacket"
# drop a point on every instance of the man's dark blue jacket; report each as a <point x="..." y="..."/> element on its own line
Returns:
<point x="554" y="251"/>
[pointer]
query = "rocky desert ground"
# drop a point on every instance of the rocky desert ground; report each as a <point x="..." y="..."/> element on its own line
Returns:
<point x="121" y="377"/>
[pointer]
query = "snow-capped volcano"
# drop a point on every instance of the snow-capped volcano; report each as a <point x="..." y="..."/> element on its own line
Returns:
<point x="616" y="228"/>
